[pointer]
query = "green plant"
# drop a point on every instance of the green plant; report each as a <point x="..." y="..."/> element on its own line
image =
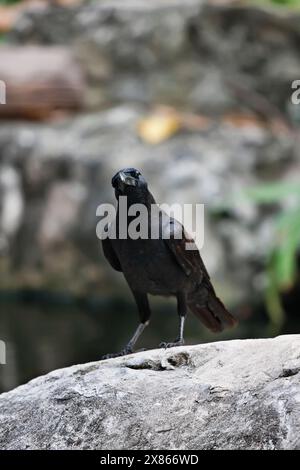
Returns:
<point x="286" y="2"/>
<point x="9" y="2"/>
<point x="278" y="3"/>
<point x="281" y="259"/>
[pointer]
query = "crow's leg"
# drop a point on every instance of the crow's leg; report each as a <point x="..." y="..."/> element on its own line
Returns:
<point x="144" y="314"/>
<point x="182" y="311"/>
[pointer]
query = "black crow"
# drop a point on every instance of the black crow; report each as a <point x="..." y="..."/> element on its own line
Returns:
<point x="161" y="265"/>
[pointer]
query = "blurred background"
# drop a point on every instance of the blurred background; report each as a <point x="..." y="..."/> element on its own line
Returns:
<point x="197" y="95"/>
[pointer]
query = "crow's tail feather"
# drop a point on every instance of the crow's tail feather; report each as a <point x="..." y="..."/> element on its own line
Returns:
<point x="210" y="310"/>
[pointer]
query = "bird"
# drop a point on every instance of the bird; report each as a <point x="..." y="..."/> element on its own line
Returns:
<point x="160" y="265"/>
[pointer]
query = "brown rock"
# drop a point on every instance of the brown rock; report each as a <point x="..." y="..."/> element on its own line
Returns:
<point x="39" y="81"/>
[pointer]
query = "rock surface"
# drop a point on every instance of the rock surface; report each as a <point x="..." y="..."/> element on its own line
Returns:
<point x="193" y="54"/>
<point x="47" y="79"/>
<point x="226" y="395"/>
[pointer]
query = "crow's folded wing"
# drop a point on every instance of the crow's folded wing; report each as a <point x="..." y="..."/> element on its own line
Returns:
<point x="203" y="301"/>
<point x="110" y="254"/>
<point x="177" y="241"/>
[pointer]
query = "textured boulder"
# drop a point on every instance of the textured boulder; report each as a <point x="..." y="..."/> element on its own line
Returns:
<point x="193" y="54"/>
<point x="226" y="395"/>
<point x="72" y="162"/>
<point x="47" y="79"/>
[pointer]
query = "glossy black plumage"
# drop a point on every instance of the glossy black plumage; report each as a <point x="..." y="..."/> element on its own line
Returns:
<point x="162" y="266"/>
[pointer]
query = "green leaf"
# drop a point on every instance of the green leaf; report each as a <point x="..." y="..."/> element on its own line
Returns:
<point x="278" y="3"/>
<point x="285" y="255"/>
<point x="267" y="193"/>
<point x="284" y="220"/>
<point x="9" y="2"/>
<point x="271" y="192"/>
<point x="273" y="303"/>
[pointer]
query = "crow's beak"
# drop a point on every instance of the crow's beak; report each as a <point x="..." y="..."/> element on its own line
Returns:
<point x="127" y="180"/>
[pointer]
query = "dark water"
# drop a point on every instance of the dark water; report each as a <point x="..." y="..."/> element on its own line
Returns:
<point x="42" y="335"/>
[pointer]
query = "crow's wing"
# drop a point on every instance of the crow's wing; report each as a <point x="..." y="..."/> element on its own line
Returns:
<point x="203" y="301"/>
<point x="110" y="254"/>
<point x="176" y="240"/>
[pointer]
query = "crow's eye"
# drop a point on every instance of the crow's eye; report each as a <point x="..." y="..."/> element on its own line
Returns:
<point x="134" y="173"/>
<point x="137" y="174"/>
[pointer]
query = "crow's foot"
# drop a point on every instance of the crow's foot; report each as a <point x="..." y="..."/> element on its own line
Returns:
<point x="124" y="352"/>
<point x="166" y="345"/>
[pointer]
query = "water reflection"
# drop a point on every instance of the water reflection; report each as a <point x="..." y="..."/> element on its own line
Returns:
<point x="42" y="336"/>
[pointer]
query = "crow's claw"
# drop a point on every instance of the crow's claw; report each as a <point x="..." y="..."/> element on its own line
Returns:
<point x="110" y="356"/>
<point x="166" y="345"/>
<point x="124" y="352"/>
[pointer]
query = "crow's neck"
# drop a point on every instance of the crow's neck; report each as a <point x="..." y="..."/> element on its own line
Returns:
<point x="144" y="198"/>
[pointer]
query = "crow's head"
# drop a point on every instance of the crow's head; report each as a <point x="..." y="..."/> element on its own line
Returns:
<point x="128" y="182"/>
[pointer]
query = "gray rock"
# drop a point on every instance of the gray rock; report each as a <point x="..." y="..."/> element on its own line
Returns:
<point x="193" y="54"/>
<point x="73" y="161"/>
<point x="12" y="204"/>
<point x="226" y="395"/>
<point x="47" y="79"/>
